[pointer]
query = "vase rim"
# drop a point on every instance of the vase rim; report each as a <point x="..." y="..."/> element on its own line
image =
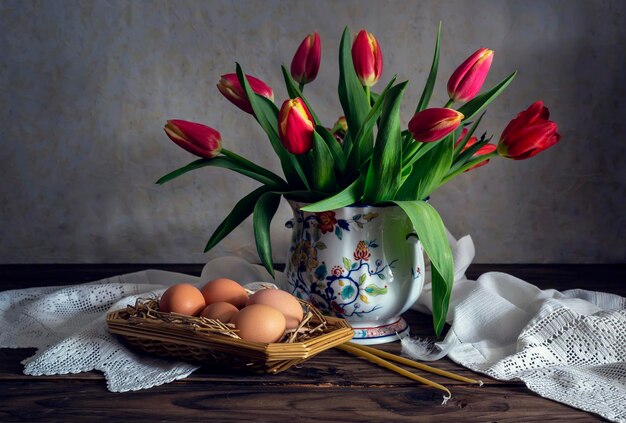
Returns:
<point x="358" y="205"/>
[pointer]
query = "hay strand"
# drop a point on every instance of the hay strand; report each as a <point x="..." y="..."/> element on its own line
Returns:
<point x="203" y="340"/>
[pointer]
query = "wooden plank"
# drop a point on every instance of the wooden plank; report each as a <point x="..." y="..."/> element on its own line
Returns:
<point x="16" y="276"/>
<point x="597" y="277"/>
<point x="329" y="368"/>
<point x="224" y="402"/>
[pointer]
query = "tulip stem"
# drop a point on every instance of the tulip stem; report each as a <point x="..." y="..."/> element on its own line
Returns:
<point x="368" y="95"/>
<point x="416" y="153"/>
<point x="301" y="87"/>
<point x="409" y="151"/>
<point x="448" y="104"/>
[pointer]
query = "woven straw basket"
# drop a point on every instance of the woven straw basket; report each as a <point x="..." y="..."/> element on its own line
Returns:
<point x="200" y="340"/>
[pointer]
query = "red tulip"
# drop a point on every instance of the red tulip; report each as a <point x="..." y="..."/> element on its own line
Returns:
<point x="196" y="138"/>
<point x="367" y="58"/>
<point x="468" y="78"/>
<point x="306" y="61"/>
<point x="470" y="142"/>
<point x="485" y="149"/>
<point x="529" y="133"/>
<point x="463" y="134"/>
<point x="295" y="126"/>
<point x="433" y="124"/>
<point x="230" y="87"/>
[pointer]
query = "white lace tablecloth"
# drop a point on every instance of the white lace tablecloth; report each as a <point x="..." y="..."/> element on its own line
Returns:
<point x="567" y="346"/>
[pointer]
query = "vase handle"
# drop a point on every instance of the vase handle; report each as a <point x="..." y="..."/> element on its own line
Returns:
<point x="412" y="238"/>
<point x="289" y="224"/>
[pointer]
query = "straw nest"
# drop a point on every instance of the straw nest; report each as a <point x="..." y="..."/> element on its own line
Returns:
<point x="207" y="341"/>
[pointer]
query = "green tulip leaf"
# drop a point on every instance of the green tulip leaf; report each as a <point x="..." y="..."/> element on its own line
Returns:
<point x="417" y="153"/>
<point x="478" y="103"/>
<point x="347" y="144"/>
<point x="441" y="291"/>
<point x="431" y="232"/>
<point x="384" y="172"/>
<point x="348" y="196"/>
<point x="264" y="211"/>
<point x="243" y="162"/>
<point x="238" y="214"/>
<point x="459" y="148"/>
<point x="432" y="77"/>
<point x="323" y="175"/>
<point x="266" y="113"/>
<point x="335" y="148"/>
<point x="409" y="149"/>
<point x="358" y="154"/>
<point x="305" y="196"/>
<point x="467" y="155"/>
<point x="468" y="165"/>
<point x="196" y="164"/>
<point x="428" y="172"/>
<point x="225" y="163"/>
<point x="353" y="99"/>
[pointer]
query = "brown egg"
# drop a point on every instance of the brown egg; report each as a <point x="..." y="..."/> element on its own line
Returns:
<point x="260" y="323"/>
<point x="183" y="299"/>
<point x="226" y="290"/>
<point x="220" y="311"/>
<point x="283" y="302"/>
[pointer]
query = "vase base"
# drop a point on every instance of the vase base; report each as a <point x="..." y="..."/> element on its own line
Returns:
<point x="382" y="334"/>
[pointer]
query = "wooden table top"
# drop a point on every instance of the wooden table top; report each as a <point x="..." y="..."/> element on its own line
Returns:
<point x="330" y="387"/>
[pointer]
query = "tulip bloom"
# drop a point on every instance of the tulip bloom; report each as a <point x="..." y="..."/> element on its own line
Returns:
<point x="295" y="126"/>
<point x="469" y="143"/>
<point x="463" y="134"/>
<point x="230" y="87"/>
<point x="529" y="133"/>
<point x="433" y="124"/>
<point x="367" y="58"/>
<point x="196" y="138"/>
<point x="485" y="149"/>
<point x="306" y="61"/>
<point x="468" y="78"/>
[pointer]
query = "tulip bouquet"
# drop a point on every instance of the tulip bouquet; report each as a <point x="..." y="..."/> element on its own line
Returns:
<point x="366" y="158"/>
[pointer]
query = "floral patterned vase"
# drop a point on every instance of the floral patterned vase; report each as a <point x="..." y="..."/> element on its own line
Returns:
<point x="363" y="264"/>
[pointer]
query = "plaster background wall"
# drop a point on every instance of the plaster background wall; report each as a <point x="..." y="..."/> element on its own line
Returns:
<point x="85" y="87"/>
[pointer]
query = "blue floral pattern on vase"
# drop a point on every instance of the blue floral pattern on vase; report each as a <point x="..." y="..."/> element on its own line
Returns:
<point x="357" y="263"/>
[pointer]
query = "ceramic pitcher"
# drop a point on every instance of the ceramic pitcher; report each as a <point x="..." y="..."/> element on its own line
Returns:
<point x="362" y="263"/>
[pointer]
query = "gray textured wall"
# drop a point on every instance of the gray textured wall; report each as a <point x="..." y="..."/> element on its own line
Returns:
<point x="86" y="87"/>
